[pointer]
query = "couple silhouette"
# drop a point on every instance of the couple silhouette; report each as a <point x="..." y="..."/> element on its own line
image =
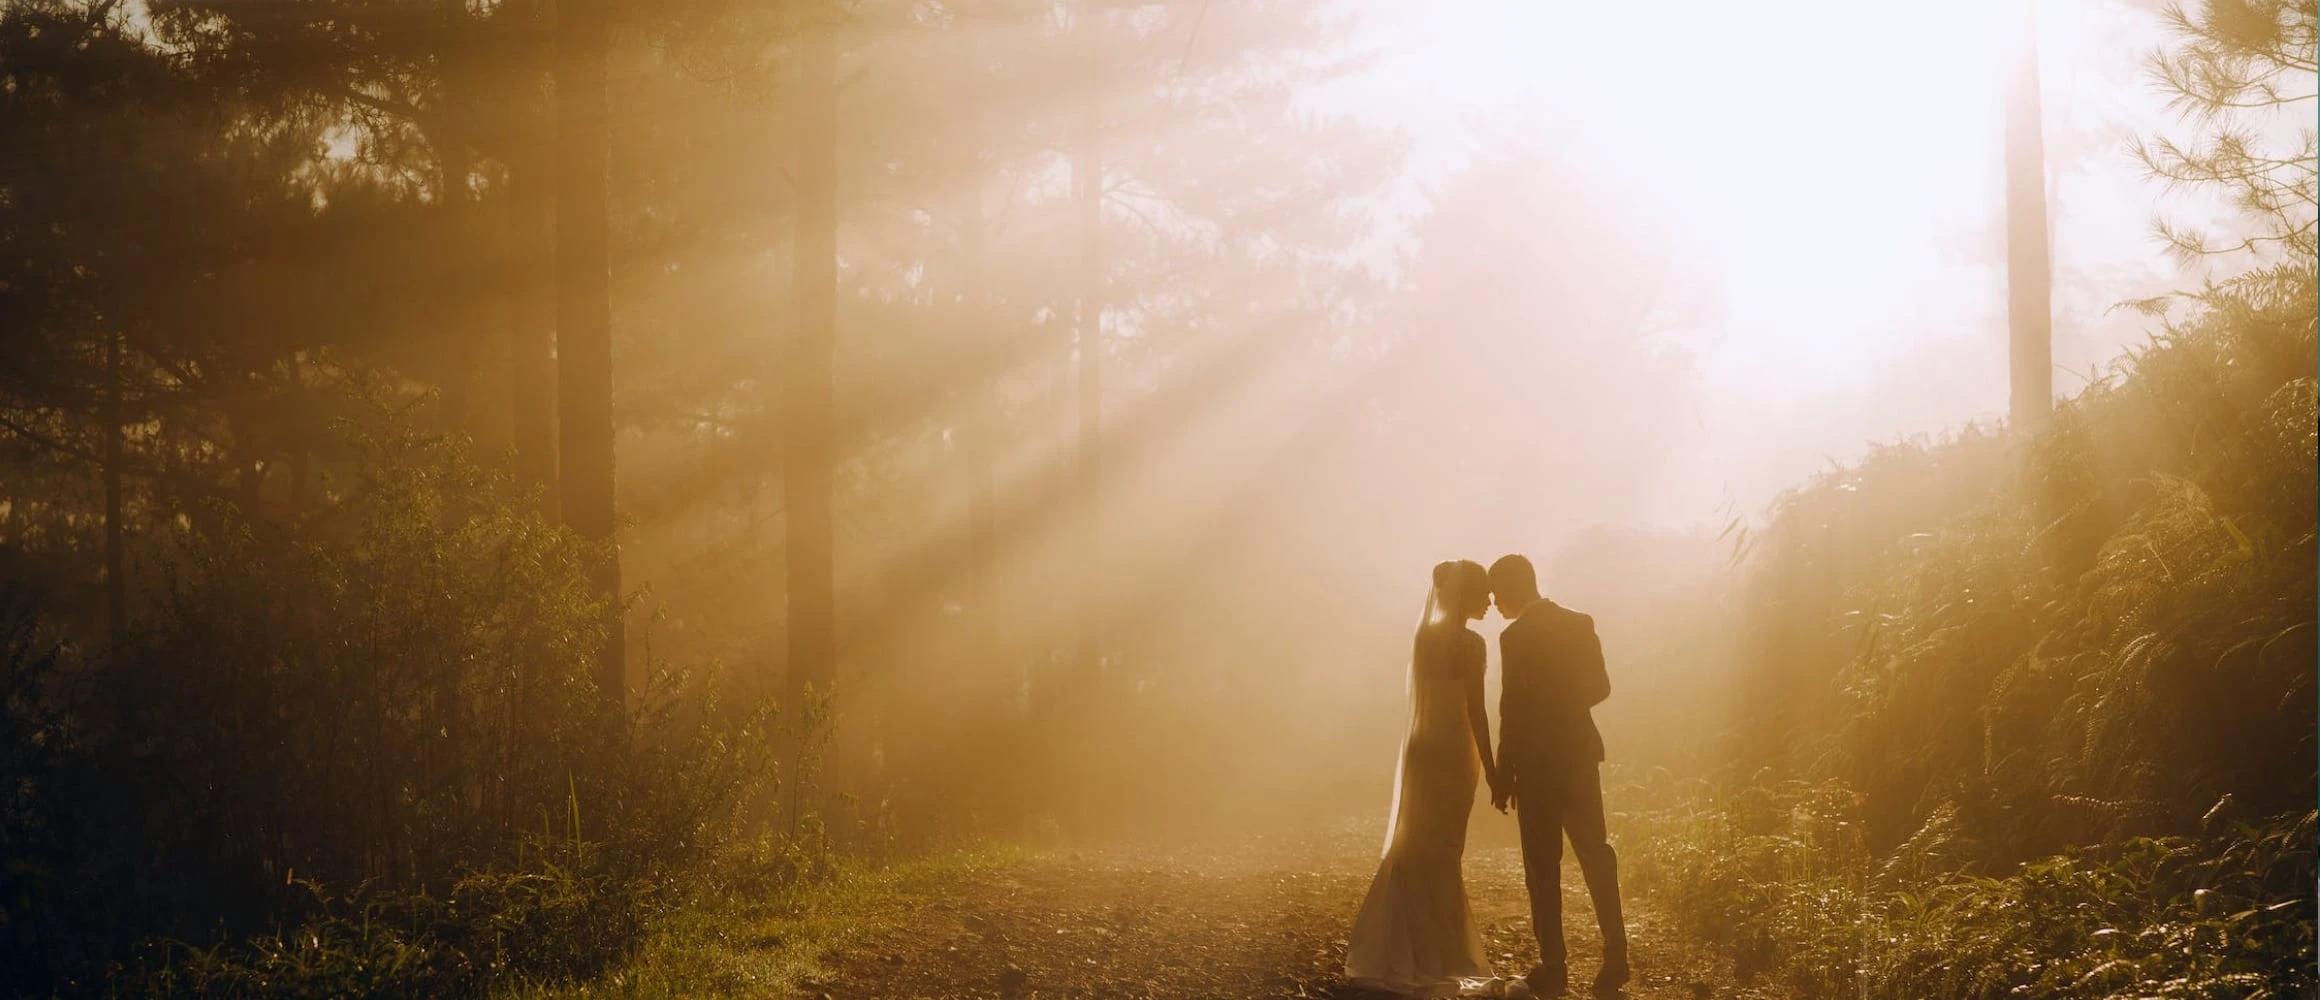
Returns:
<point x="1415" y="934"/>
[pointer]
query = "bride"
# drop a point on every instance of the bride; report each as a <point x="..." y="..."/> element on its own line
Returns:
<point x="1415" y="935"/>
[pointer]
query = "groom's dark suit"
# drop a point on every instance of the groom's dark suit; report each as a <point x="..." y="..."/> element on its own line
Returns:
<point x="1552" y="665"/>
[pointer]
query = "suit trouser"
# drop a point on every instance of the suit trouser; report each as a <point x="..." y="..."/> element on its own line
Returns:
<point x="1551" y="800"/>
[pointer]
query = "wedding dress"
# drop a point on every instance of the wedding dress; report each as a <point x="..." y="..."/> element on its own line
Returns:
<point x="1415" y="934"/>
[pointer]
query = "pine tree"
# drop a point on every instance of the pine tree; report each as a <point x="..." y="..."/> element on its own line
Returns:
<point x="808" y="452"/>
<point x="584" y="318"/>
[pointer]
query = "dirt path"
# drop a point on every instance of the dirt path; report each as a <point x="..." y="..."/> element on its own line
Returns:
<point x="1263" y="918"/>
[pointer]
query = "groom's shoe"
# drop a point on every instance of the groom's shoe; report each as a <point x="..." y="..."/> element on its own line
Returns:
<point x="1549" y="980"/>
<point x="1614" y="974"/>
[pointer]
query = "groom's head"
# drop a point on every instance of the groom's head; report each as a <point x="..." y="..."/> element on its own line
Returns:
<point x="1514" y="585"/>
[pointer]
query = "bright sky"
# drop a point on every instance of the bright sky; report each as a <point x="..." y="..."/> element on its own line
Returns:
<point x="1836" y="166"/>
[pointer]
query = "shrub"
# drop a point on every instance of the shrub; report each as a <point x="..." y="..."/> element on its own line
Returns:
<point x="1994" y="692"/>
<point x="1779" y="877"/>
<point x="357" y="752"/>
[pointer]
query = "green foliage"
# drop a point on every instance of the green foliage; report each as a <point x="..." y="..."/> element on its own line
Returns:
<point x="563" y="918"/>
<point x="488" y="927"/>
<point x="2097" y="634"/>
<point x="38" y="740"/>
<point x="370" y="728"/>
<point x="1779" y="875"/>
<point x="362" y="692"/>
<point x="2034" y="718"/>
<point x="2221" y="915"/>
<point x="2235" y="65"/>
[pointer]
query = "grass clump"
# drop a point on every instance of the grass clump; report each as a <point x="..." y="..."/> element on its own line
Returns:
<point x="754" y="930"/>
<point x="1782" y="879"/>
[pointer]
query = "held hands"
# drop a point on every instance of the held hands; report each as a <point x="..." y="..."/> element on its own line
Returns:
<point x="1501" y="789"/>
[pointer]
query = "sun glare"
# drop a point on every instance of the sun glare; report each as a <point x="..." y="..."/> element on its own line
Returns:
<point x="1817" y="149"/>
<point x="1835" y="170"/>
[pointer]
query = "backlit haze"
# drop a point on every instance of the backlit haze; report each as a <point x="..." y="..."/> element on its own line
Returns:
<point x="1835" y="171"/>
<point x="1659" y="263"/>
<point x="571" y="496"/>
<point x="1369" y="285"/>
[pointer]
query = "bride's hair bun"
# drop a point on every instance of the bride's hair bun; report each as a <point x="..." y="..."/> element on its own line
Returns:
<point x="1446" y="575"/>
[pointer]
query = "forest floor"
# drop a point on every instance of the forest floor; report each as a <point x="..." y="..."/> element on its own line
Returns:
<point x="1260" y="918"/>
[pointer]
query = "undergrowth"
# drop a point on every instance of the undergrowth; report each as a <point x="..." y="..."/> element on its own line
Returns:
<point x="357" y="754"/>
<point x="2031" y="715"/>
<point x="1779" y="877"/>
<point x="562" y="920"/>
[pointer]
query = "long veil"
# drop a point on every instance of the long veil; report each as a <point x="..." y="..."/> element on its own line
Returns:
<point x="1426" y="622"/>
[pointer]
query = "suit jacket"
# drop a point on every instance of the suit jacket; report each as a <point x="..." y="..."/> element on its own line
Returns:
<point x="1552" y="669"/>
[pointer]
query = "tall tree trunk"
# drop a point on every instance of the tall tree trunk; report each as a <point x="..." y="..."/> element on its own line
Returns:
<point x="116" y="538"/>
<point x="301" y="452"/>
<point x="807" y="459"/>
<point x="584" y="318"/>
<point x="2029" y="278"/>
<point x="986" y="649"/>
<point x="976" y="418"/>
<point x="977" y="431"/>
<point x="455" y="200"/>
<point x="532" y="330"/>
<point x="1088" y="178"/>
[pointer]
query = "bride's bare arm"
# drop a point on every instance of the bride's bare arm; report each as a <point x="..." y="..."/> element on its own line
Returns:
<point x="1478" y="713"/>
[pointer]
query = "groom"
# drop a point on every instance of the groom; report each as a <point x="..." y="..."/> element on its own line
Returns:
<point x="1547" y="756"/>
